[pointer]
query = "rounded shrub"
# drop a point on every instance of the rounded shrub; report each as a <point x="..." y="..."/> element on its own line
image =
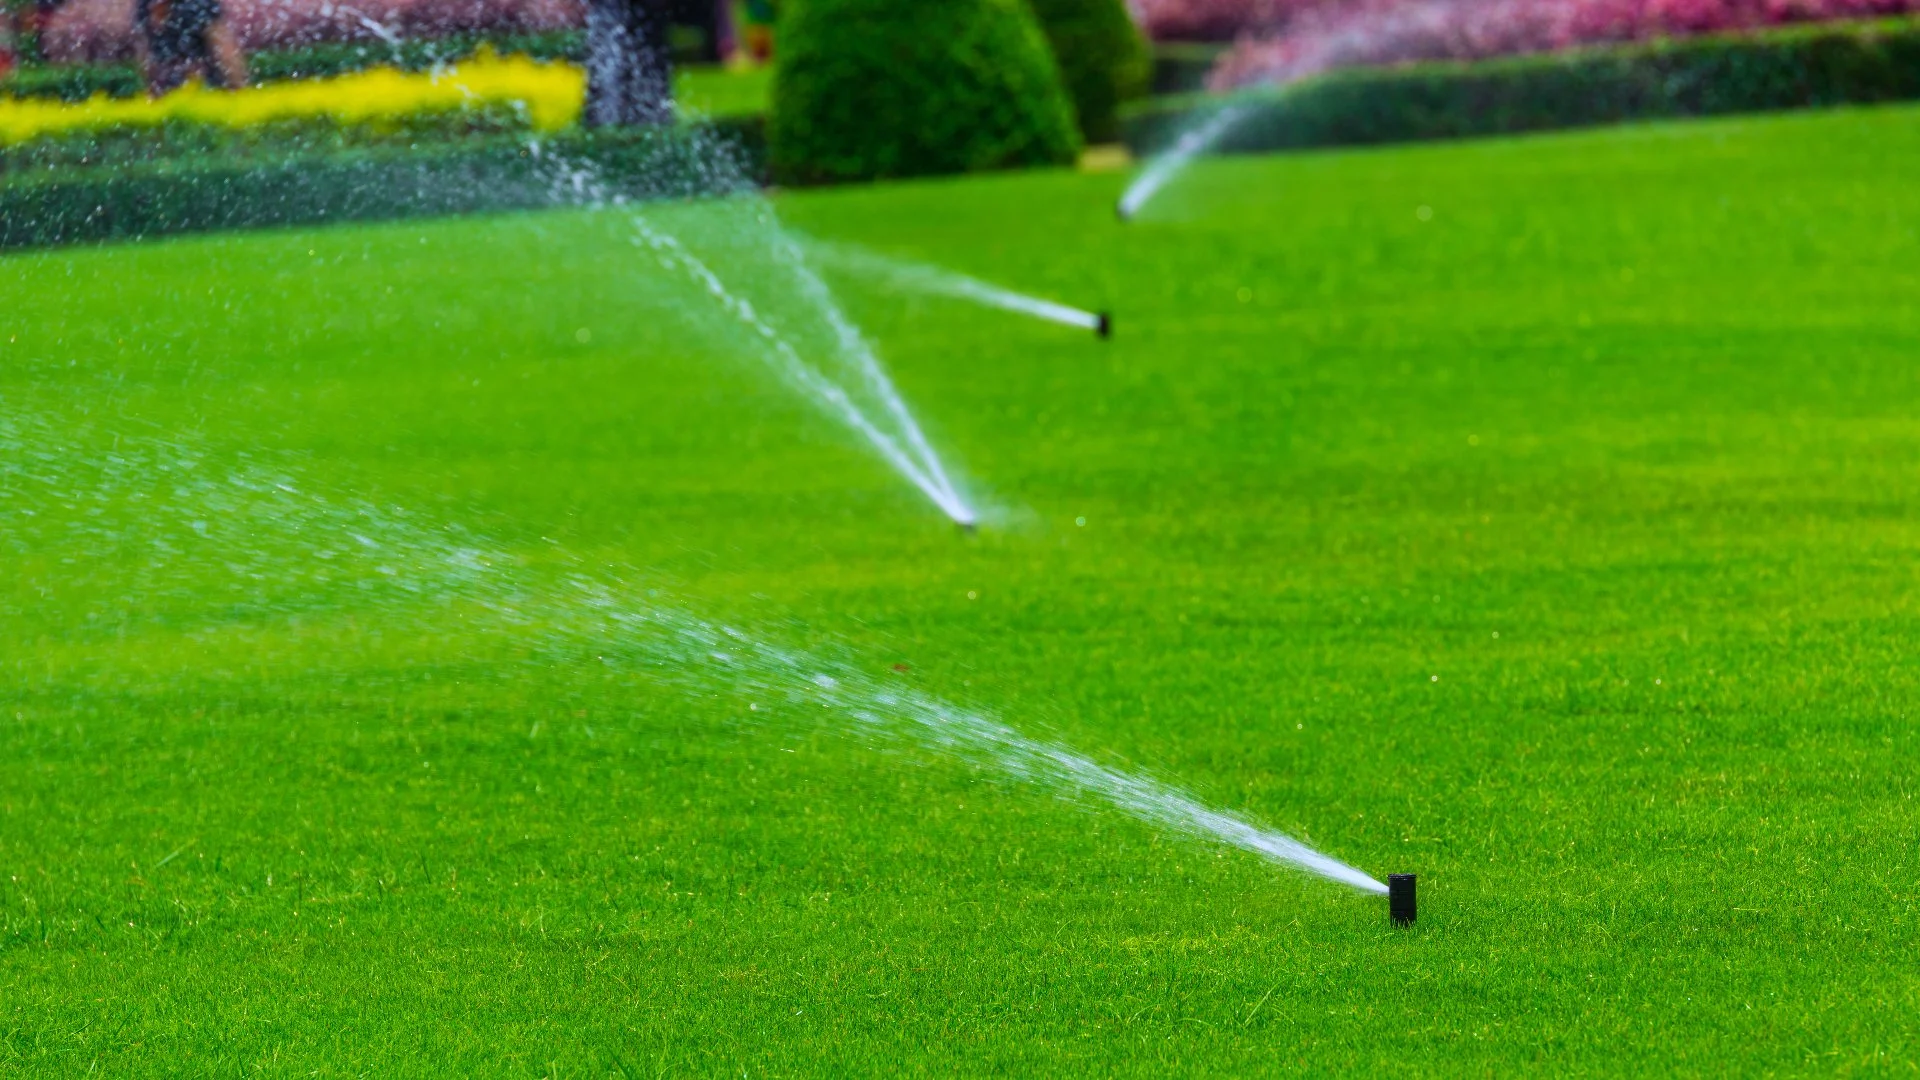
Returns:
<point x="886" y="88"/>
<point x="1103" y="58"/>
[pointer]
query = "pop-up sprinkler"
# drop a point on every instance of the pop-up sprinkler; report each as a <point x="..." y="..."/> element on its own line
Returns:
<point x="1400" y="899"/>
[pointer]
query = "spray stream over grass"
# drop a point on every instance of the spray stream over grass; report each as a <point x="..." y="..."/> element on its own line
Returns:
<point x="131" y="529"/>
<point x="797" y="315"/>
<point x="904" y="447"/>
<point x="921" y="277"/>
<point x="1166" y="166"/>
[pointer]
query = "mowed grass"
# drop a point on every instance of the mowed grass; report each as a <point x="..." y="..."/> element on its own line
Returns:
<point x="1557" y="543"/>
<point x="719" y="91"/>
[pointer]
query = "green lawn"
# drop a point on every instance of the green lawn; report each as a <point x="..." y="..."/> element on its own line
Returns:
<point x="1560" y="547"/>
<point x="718" y="91"/>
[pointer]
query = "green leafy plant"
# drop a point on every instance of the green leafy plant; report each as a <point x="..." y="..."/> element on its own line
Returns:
<point x="1102" y="56"/>
<point x="877" y="88"/>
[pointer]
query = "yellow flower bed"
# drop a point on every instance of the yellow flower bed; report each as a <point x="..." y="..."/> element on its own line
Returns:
<point x="551" y="94"/>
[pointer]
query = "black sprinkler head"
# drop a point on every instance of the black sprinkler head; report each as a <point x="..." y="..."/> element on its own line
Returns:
<point x="1105" y="326"/>
<point x="967" y="527"/>
<point x="1120" y="211"/>
<point x="1400" y="899"/>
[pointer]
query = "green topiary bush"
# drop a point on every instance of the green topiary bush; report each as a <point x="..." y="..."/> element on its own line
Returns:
<point x="1102" y="56"/>
<point x="884" y="88"/>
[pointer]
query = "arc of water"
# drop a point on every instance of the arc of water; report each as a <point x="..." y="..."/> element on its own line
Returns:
<point x="258" y="527"/>
<point x="884" y="711"/>
<point x="944" y="282"/>
<point x="916" y="460"/>
<point x="974" y="289"/>
<point x="854" y="344"/>
<point x="1162" y="169"/>
<point x="1056" y="765"/>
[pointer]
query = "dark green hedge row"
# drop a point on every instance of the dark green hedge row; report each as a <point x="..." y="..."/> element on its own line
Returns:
<point x="78" y="82"/>
<point x="870" y="89"/>
<point x="1798" y="68"/>
<point x="213" y="193"/>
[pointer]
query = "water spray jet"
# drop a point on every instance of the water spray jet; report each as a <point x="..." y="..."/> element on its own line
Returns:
<point x="869" y="404"/>
<point x="941" y="282"/>
<point x="267" y="539"/>
<point x="1190" y="145"/>
<point x="843" y="375"/>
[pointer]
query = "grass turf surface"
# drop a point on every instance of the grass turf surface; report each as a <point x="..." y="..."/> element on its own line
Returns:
<point x="711" y="90"/>
<point x="1557" y="546"/>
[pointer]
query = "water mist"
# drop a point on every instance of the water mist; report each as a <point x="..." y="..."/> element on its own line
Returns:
<point x="207" y="547"/>
<point x="937" y="281"/>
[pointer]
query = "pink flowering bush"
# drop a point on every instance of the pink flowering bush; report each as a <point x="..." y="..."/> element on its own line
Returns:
<point x="1211" y="20"/>
<point x="1283" y="46"/>
<point x="103" y="29"/>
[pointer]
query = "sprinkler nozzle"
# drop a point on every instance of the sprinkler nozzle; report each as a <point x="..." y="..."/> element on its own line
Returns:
<point x="968" y="527"/>
<point x="1105" y="326"/>
<point x="1120" y="211"/>
<point x="1400" y="899"/>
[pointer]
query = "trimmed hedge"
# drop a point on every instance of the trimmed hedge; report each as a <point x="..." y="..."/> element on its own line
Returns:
<point x="880" y="88"/>
<point x="1102" y="58"/>
<point x="1825" y="65"/>
<point x="66" y="206"/>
